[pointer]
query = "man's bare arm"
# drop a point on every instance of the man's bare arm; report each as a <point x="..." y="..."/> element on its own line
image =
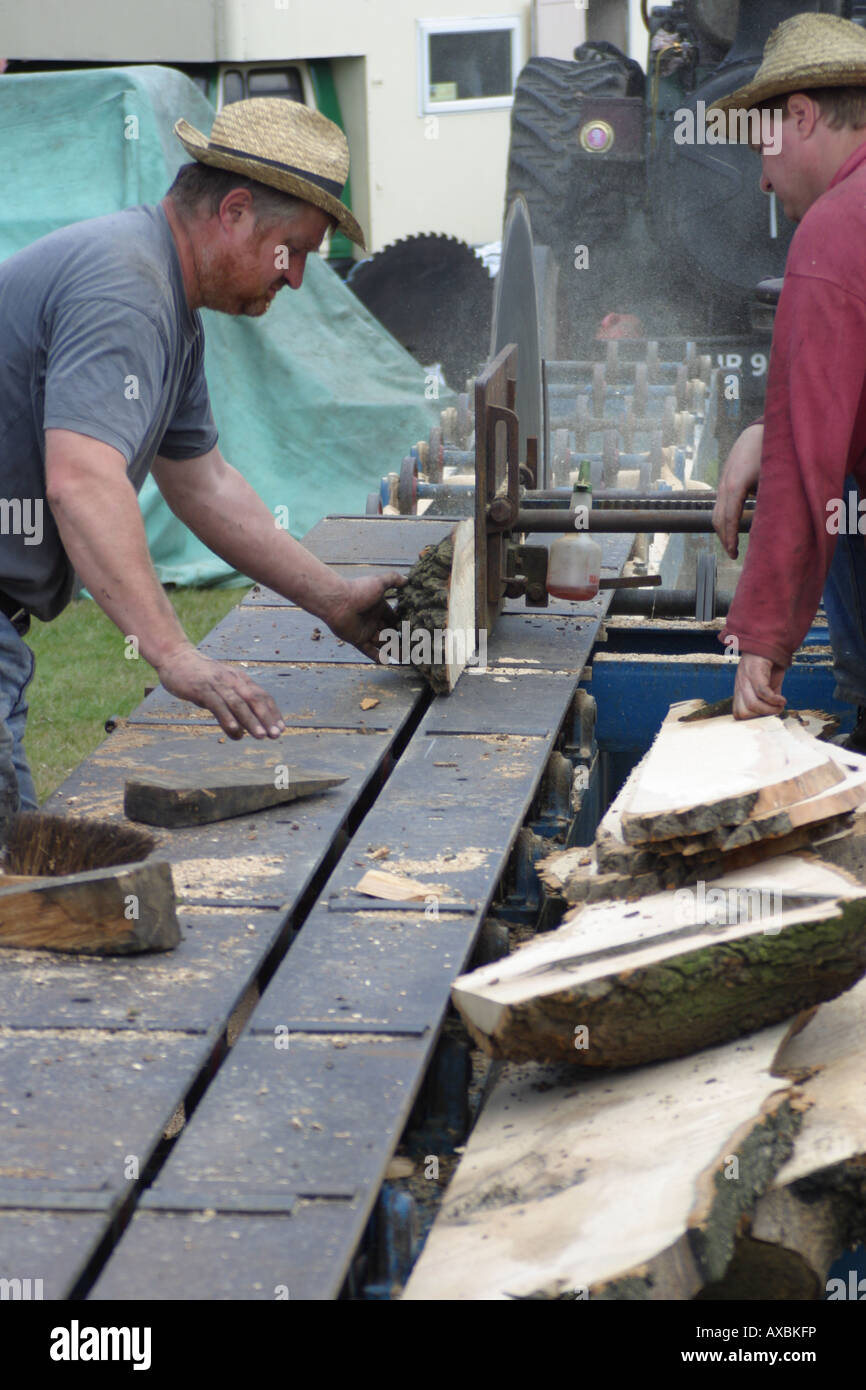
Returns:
<point x="218" y="504"/>
<point x="739" y="477"/>
<point x="758" y="686"/>
<point x="102" y="531"/>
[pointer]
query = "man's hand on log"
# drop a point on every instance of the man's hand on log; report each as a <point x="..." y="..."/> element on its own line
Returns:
<point x="739" y="477"/>
<point x="758" y="686"/>
<point x="237" y="702"/>
<point x="364" y="614"/>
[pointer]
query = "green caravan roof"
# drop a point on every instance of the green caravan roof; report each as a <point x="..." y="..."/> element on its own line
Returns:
<point x="313" y="402"/>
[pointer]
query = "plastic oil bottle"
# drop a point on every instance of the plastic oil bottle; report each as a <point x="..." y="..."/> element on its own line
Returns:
<point x="574" y="563"/>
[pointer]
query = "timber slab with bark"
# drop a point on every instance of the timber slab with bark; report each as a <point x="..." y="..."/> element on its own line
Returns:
<point x="217" y="794"/>
<point x="738" y="1174"/>
<point x="718" y="772"/>
<point x="815" y="1207"/>
<point x="624" y="1187"/>
<point x="614" y="868"/>
<point x="621" y="983"/>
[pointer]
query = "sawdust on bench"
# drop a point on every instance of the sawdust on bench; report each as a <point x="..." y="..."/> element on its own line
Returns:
<point x="224" y="875"/>
<point x="458" y="862"/>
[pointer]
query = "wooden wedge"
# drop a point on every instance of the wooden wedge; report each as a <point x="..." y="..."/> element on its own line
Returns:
<point x="217" y="795"/>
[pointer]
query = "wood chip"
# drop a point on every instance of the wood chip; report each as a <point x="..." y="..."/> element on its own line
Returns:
<point x="399" y="1167"/>
<point x="394" y="887"/>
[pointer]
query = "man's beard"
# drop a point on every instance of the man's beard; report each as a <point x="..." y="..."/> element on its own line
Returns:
<point x="221" y="288"/>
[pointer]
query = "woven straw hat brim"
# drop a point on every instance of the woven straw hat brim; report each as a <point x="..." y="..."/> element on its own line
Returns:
<point x="251" y="167"/>
<point x="806" y="51"/>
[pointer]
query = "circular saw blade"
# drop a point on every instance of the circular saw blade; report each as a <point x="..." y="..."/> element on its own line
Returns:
<point x="433" y="294"/>
<point x="515" y="319"/>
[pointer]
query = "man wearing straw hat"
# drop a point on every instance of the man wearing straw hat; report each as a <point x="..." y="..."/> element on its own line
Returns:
<point x="102" y="381"/>
<point x="813" y="435"/>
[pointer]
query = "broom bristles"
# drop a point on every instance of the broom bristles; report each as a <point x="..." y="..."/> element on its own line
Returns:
<point x="55" y="845"/>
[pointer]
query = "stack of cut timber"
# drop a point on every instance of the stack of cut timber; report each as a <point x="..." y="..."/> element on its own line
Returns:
<point x="757" y="936"/>
<point x="815" y="1207"/>
<point x="738" y="1171"/>
<point x="711" y="796"/>
<point x="736" y="1174"/>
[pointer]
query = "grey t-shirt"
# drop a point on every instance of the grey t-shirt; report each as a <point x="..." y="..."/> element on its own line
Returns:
<point x="96" y="336"/>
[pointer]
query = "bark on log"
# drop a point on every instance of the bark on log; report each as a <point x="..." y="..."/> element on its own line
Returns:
<point x="436" y="607"/>
<point x="815" y="1208"/>
<point x="627" y="983"/>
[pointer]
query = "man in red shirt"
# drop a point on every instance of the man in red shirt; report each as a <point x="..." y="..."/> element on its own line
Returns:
<point x="813" y="435"/>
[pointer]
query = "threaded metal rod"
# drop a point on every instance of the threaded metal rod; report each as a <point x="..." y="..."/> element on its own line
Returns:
<point x="558" y="520"/>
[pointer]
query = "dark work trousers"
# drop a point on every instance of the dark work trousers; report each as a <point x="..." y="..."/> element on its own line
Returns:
<point x="16" y="671"/>
<point x="845" y="606"/>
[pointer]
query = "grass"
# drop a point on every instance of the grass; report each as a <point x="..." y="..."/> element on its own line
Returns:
<point x="82" y="678"/>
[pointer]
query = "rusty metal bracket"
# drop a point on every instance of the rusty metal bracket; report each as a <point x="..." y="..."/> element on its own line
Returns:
<point x="530" y="564"/>
<point x="497" y="482"/>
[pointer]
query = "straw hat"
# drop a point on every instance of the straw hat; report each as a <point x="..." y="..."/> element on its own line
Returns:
<point x="281" y="143"/>
<point x="808" y="50"/>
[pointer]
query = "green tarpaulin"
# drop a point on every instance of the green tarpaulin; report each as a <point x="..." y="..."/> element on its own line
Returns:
<point x="313" y="402"/>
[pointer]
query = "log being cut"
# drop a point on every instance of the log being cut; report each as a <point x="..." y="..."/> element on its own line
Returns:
<point x="623" y="983"/>
<point x="436" y="610"/>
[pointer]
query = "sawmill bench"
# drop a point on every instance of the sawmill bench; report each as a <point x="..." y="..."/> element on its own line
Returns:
<point x="217" y="1122"/>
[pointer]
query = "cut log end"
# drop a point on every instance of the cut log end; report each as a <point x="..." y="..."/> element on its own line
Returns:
<point x="107" y="912"/>
<point x="436" y="610"/>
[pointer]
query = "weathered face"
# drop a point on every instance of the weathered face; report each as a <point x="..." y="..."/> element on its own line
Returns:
<point x="787" y="162"/>
<point x="780" y="175"/>
<point x="251" y="263"/>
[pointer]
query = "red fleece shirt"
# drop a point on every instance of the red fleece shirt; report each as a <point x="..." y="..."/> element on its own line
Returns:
<point x="814" y="422"/>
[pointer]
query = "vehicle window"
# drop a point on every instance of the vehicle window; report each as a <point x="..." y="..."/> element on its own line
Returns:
<point x="463" y="66"/>
<point x="468" y="63"/>
<point x="275" y="82"/>
<point x="233" y="86"/>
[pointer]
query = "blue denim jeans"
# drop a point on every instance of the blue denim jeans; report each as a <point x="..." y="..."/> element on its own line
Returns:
<point x="845" y="606"/>
<point x="16" y="673"/>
